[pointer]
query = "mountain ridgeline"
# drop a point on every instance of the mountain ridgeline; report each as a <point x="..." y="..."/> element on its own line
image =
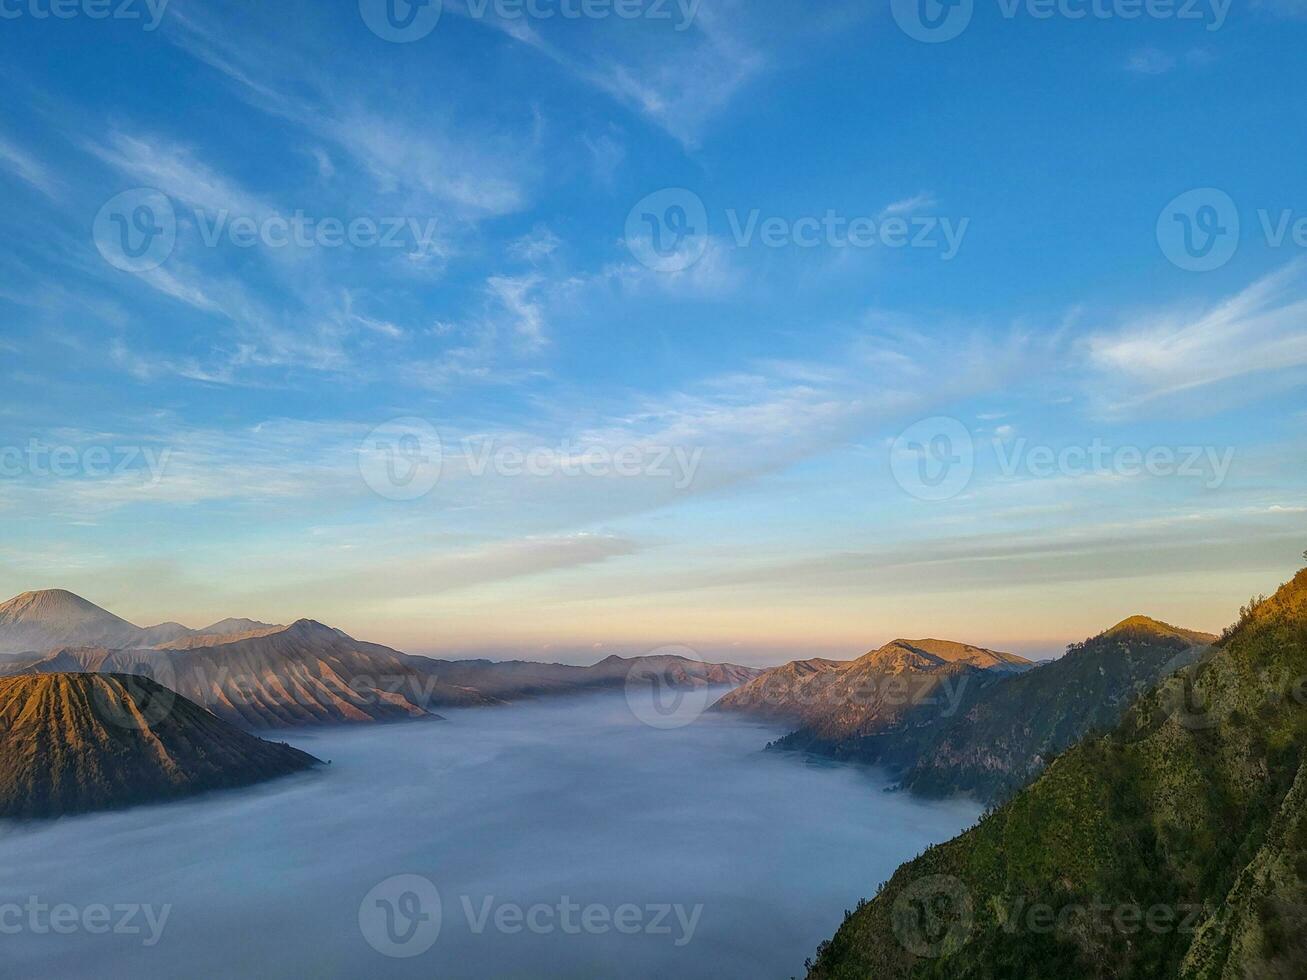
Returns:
<point x="71" y="743"/>
<point x="259" y="676"/>
<point x="989" y="734"/>
<point x="1173" y="846"/>
<point x="834" y="701"/>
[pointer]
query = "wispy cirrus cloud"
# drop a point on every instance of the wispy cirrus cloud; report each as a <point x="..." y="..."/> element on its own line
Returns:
<point x="28" y="169"/>
<point x="679" y="76"/>
<point x="1260" y="330"/>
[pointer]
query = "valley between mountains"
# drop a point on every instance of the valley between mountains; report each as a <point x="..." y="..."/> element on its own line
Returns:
<point x="1151" y="765"/>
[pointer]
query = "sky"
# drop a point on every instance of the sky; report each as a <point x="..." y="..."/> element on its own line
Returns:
<point x="562" y="329"/>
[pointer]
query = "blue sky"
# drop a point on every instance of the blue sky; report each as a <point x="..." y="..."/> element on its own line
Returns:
<point x="753" y="391"/>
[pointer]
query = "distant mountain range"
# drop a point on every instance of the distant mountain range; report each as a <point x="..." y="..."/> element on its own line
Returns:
<point x="1173" y="846"/>
<point x="71" y="743"/>
<point x="259" y="676"/>
<point x="36" y="621"/>
<point x="834" y="701"/>
<point x="986" y="734"/>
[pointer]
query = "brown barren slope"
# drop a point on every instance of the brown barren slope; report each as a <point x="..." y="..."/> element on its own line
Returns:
<point x="70" y="743"/>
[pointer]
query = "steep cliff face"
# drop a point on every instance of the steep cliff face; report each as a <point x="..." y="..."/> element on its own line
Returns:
<point x="71" y="743"/>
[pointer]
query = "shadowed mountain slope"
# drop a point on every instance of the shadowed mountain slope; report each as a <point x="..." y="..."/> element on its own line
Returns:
<point x="1002" y="731"/>
<point x="76" y="742"/>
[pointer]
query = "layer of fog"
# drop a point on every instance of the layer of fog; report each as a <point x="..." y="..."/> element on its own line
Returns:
<point x="565" y="801"/>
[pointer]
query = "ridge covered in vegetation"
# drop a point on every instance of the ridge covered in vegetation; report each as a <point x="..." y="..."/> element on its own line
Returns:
<point x="1173" y="846"/>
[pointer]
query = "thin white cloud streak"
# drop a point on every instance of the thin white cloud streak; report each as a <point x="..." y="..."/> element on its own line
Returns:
<point x="678" y="82"/>
<point x="1261" y="329"/>
<point x="428" y="162"/>
<point x="28" y="169"/>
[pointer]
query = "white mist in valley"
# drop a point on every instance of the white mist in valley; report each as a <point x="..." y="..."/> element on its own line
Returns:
<point x="563" y="838"/>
